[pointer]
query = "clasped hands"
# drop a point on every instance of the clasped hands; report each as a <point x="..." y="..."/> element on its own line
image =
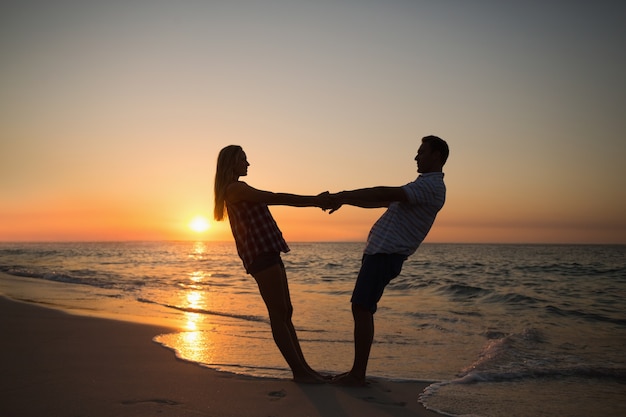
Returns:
<point x="328" y="201"/>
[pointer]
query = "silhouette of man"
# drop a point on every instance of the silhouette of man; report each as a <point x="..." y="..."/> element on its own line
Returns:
<point x="395" y="236"/>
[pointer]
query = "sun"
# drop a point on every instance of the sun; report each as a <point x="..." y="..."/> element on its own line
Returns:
<point x="199" y="224"/>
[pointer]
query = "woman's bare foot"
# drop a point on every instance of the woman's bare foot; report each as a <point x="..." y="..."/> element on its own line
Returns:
<point x="349" y="380"/>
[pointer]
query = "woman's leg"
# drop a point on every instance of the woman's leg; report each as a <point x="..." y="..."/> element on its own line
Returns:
<point x="274" y="289"/>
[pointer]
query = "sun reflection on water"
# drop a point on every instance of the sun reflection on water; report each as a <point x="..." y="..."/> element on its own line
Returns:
<point x="193" y="344"/>
<point x="197" y="276"/>
<point x="217" y="340"/>
<point x="198" y="251"/>
<point x="213" y="339"/>
<point x="194" y="301"/>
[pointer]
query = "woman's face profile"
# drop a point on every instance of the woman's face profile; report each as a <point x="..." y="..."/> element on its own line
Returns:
<point x="241" y="165"/>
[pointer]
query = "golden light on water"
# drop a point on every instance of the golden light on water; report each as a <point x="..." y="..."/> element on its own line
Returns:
<point x="192" y="321"/>
<point x="194" y="301"/>
<point x="196" y="277"/>
<point x="193" y="343"/>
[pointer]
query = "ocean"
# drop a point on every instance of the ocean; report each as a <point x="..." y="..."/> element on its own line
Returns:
<point x="497" y="330"/>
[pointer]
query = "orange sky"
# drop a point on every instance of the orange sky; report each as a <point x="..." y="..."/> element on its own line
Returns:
<point x="112" y="115"/>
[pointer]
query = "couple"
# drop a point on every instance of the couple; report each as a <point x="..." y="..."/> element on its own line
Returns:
<point x="396" y="235"/>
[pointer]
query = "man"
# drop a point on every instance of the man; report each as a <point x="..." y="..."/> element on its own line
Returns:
<point x="396" y="235"/>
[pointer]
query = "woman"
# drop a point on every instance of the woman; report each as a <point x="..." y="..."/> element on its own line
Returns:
<point x="259" y="243"/>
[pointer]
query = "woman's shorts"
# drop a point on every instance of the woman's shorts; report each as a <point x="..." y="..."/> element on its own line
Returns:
<point x="264" y="261"/>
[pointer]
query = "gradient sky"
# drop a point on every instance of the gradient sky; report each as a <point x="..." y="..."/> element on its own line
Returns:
<point x="112" y="114"/>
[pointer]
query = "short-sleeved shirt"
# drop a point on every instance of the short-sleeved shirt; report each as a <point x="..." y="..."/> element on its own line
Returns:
<point x="403" y="227"/>
<point x="255" y="230"/>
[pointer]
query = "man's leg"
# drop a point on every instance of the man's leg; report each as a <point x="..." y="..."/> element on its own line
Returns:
<point x="363" y="338"/>
<point x="375" y="273"/>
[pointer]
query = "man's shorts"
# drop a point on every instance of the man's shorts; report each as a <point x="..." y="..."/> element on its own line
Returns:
<point x="376" y="272"/>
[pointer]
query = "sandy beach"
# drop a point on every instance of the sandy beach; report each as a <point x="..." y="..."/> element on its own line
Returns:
<point x="60" y="364"/>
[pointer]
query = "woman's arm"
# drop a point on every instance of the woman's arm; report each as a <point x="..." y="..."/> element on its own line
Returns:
<point x="240" y="191"/>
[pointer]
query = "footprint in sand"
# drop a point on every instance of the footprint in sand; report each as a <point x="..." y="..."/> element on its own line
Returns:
<point x="277" y="395"/>
<point x="375" y="400"/>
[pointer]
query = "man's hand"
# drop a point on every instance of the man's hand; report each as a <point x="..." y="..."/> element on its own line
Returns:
<point x="336" y="203"/>
<point x="328" y="202"/>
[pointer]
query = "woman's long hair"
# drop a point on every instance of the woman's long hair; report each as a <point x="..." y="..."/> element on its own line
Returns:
<point x="224" y="175"/>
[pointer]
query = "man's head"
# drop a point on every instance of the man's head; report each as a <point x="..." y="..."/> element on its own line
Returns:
<point x="432" y="154"/>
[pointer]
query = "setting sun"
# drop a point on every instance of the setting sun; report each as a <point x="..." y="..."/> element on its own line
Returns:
<point x="199" y="224"/>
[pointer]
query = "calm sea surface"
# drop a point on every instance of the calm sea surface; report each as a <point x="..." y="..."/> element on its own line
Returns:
<point x="499" y="330"/>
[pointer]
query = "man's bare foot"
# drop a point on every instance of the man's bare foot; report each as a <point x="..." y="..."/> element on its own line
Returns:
<point x="348" y="380"/>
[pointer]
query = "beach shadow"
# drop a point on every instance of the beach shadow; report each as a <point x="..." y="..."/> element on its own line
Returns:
<point x="383" y="396"/>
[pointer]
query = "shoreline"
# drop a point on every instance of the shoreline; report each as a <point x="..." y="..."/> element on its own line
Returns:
<point x="62" y="364"/>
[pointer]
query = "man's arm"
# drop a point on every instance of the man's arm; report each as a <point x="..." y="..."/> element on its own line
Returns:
<point x="373" y="197"/>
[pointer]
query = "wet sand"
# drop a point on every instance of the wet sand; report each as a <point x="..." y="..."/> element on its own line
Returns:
<point x="60" y="364"/>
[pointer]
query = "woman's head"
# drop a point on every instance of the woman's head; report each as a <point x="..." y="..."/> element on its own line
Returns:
<point x="227" y="159"/>
<point x="228" y="170"/>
